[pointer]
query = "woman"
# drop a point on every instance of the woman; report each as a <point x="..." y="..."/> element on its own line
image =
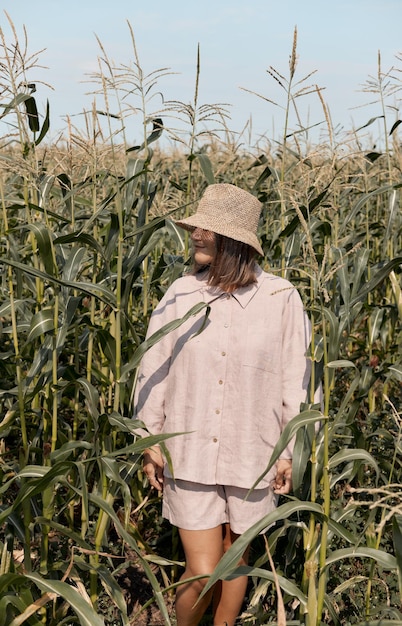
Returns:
<point x="229" y="386"/>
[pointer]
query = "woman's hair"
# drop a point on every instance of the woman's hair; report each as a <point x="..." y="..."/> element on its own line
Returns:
<point x="234" y="264"/>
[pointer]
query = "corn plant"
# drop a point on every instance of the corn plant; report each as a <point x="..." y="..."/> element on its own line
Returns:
<point x="87" y="248"/>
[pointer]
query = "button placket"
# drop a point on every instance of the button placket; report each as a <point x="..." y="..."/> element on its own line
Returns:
<point x="223" y="340"/>
<point x="226" y="312"/>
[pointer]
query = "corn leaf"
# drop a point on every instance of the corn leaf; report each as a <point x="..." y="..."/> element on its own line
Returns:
<point x="41" y="323"/>
<point x="84" y="611"/>
<point x="385" y="560"/>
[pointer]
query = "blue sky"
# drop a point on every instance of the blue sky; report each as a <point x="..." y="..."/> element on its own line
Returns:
<point x="238" y="42"/>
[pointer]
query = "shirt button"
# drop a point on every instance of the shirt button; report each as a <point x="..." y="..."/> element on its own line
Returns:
<point x="228" y="297"/>
<point x="223" y="353"/>
<point x="214" y="439"/>
<point x="226" y="325"/>
<point x="221" y="382"/>
<point x="217" y="411"/>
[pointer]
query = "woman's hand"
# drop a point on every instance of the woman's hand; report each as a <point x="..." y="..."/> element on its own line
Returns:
<point x="282" y="482"/>
<point x="153" y="467"/>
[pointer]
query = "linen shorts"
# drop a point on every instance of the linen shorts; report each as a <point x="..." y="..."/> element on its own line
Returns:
<point x="192" y="506"/>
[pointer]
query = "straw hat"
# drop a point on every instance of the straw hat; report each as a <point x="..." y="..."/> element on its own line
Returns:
<point x="227" y="210"/>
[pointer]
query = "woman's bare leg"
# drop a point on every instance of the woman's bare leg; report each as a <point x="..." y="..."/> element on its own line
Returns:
<point x="203" y="549"/>
<point x="229" y="594"/>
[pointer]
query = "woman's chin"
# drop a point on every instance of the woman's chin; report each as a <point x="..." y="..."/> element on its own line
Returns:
<point x="201" y="258"/>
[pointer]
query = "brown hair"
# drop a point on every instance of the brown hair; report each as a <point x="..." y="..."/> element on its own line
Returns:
<point x="233" y="266"/>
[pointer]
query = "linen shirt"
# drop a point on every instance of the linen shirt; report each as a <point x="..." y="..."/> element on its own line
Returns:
<point x="233" y="386"/>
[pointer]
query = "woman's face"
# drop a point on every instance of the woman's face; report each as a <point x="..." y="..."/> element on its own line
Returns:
<point x="204" y="246"/>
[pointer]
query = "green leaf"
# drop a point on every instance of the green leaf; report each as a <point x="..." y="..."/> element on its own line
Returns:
<point x="301" y="455"/>
<point x="373" y="156"/>
<point x="92" y="397"/>
<point x="111" y="587"/>
<point x="206" y="167"/>
<point x="45" y="125"/>
<point x="74" y="537"/>
<point x="32" y="112"/>
<point x="301" y="420"/>
<point x="104" y="506"/>
<point x="342" y="275"/>
<point x="306" y="212"/>
<point x="45" y="246"/>
<point x="231" y="558"/>
<point x="125" y="424"/>
<point x="39" y="209"/>
<point x="340" y="363"/>
<point x="20" y="604"/>
<point x="113" y="236"/>
<point x="17" y="523"/>
<point x="9" y="580"/>
<point x="83" y="478"/>
<point x="108" y="343"/>
<point x="397" y="541"/>
<point x="286" y="585"/>
<point x="73" y="263"/>
<point x="363" y="199"/>
<point x="396" y="288"/>
<point x="91" y="289"/>
<point x="352" y="454"/>
<point x="32" y="471"/>
<point x="111" y="469"/>
<point x="266" y="173"/>
<point x="167" y="328"/>
<point x="334" y="335"/>
<point x="85" y="612"/>
<point x="142" y="444"/>
<point x="134" y="168"/>
<point x="80" y="237"/>
<point x="14" y="103"/>
<point x="339" y="530"/>
<point x="360" y="262"/>
<point x="395" y="371"/>
<point x="385" y="560"/>
<point x="395" y="126"/>
<point x="69" y="449"/>
<point x="376" y="319"/>
<point x="42" y="322"/>
<point x="371" y="121"/>
<point x="41" y="367"/>
<point x="157" y="130"/>
<point x="35" y="486"/>
<point x="114" y="116"/>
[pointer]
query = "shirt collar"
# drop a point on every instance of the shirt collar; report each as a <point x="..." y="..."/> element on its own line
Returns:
<point x="243" y="295"/>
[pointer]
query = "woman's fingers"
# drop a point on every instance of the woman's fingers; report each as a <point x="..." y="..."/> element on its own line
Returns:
<point x="153" y="467"/>
<point x="282" y="483"/>
<point x="154" y="475"/>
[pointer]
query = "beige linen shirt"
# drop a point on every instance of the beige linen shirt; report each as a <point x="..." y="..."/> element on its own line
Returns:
<point x="231" y="388"/>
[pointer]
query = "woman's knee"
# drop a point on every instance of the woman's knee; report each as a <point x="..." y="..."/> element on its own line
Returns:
<point x="197" y="584"/>
<point x="202" y="567"/>
<point x="229" y="538"/>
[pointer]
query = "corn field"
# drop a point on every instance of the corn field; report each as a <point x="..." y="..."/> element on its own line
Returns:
<point x="88" y="247"/>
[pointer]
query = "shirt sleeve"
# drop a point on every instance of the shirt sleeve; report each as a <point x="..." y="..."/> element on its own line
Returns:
<point x="150" y="391"/>
<point x="296" y="366"/>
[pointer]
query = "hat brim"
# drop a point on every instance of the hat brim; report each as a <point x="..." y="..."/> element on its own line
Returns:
<point x="227" y="229"/>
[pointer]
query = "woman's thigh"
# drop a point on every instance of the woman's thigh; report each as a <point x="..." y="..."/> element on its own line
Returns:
<point x="202" y="548"/>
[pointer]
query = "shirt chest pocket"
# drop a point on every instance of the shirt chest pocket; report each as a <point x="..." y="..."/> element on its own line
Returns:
<point x="262" y="352"/>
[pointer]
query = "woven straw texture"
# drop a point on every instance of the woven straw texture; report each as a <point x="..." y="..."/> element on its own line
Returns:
<point x="227" y="210"/>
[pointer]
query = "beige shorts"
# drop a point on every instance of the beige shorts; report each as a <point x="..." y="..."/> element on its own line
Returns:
<point x="192" y="506"/>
